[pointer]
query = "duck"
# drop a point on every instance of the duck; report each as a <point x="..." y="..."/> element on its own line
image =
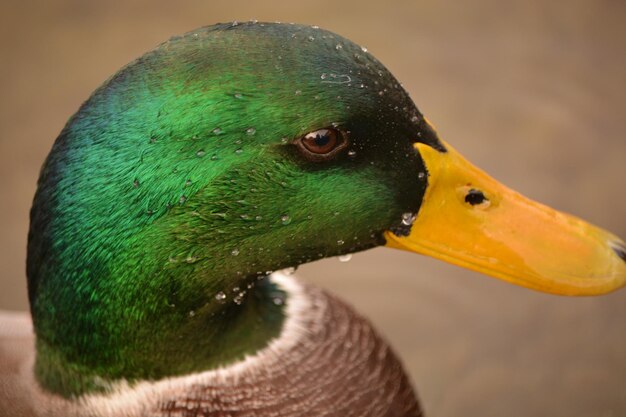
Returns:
<point x="176" y="202"/>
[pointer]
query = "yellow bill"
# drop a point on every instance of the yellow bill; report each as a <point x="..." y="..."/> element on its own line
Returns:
<point x="469" y="219"/>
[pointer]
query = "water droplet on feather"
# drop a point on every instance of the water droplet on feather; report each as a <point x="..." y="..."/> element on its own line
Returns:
<point x="239" y="298"/>
<point x="345" y="258"/>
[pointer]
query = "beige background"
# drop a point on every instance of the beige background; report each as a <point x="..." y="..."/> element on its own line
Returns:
<point x="532" y="91"/>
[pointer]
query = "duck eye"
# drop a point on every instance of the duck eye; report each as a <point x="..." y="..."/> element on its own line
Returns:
<point x="322" y="143"/>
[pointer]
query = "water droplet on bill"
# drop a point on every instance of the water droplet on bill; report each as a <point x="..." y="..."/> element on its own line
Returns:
<point x="408" y="219"/>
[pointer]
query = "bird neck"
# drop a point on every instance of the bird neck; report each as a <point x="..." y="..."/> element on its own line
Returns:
<point x="177" y="319"/>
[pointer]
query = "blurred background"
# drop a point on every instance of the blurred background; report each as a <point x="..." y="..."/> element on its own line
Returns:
<point x="532" y="91"/>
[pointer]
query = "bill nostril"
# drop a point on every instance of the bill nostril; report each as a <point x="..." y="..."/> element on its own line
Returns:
<point x="475" y="197"/>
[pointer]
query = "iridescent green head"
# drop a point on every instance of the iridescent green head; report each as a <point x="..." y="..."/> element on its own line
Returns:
<point x="189" y="174"/>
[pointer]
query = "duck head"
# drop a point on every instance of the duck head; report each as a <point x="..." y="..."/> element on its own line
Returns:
<point x="236" y="150"/>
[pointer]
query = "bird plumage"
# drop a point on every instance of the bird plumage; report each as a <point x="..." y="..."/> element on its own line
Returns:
<point x="327" y="359"/>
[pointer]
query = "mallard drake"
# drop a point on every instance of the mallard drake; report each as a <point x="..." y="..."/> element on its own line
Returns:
<point x="177" y="190"/>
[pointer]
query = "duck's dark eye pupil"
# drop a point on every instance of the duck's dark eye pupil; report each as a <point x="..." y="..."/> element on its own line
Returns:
<point x="322" y="140"/>
<point x="475" y="197"/>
